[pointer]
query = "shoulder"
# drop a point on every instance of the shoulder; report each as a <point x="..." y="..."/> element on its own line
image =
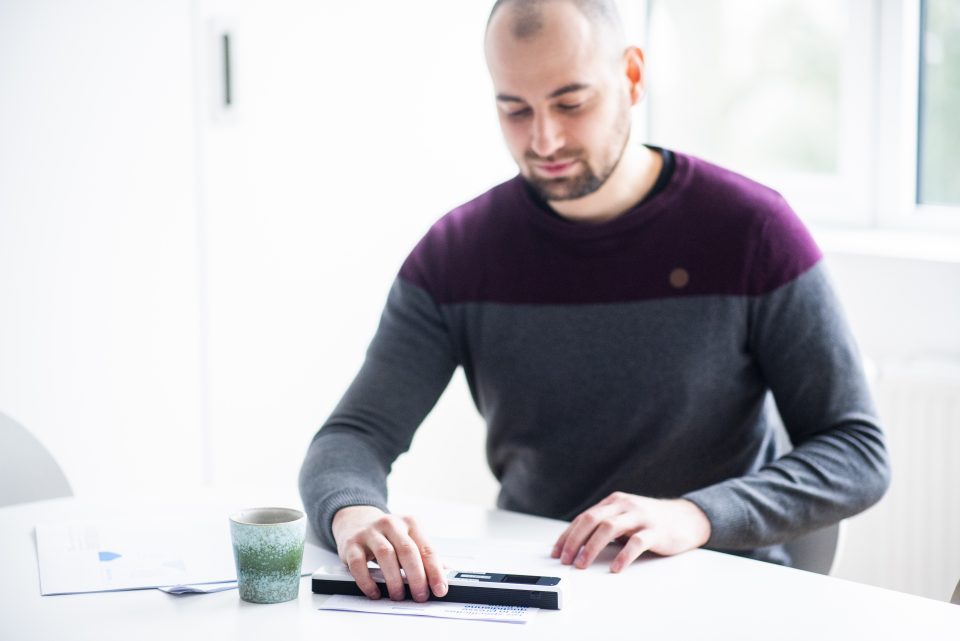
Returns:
<point x="461" y="240"/>
<point x="735" y="216"/>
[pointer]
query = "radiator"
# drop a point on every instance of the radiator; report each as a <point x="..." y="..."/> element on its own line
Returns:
<point x="910" y="541"/>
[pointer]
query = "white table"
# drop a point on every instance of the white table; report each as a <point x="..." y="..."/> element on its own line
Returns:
<point x="698" y="595"/>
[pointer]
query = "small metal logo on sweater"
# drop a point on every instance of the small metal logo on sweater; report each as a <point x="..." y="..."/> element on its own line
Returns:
<point x="679" y="278"/>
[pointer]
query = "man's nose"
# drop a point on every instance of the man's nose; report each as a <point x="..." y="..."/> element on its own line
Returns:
<point x="547" y="136"/>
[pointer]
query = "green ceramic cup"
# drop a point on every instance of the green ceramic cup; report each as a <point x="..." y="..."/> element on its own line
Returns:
<point x="268" y="551"/>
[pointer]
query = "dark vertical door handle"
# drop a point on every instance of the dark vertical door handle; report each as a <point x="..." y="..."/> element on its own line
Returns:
<point x="227" y="72"/>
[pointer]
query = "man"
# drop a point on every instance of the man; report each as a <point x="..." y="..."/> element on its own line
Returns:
<point x="621" y="313"/>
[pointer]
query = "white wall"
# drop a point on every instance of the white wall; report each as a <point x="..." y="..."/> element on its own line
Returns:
<point x="356" y="126"/>
<point x="99" y="351"/>
<point x="187" y="292"/>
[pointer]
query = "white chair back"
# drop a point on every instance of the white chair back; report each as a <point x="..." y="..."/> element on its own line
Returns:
<point x="817" y="551"/>
<point x="27" y="470"/>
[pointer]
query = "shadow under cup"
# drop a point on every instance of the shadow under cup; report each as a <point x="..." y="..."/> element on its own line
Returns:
<point x="268" y="551"/>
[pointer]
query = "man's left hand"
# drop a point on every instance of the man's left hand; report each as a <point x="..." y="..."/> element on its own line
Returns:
<point x="662" y="526"/>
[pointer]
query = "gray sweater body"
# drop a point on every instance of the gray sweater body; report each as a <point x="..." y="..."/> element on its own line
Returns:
<point x="635" y="355"/>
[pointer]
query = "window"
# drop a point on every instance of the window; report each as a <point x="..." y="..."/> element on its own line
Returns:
<point x="847" y="107"/>
<point x="750" y="84"/>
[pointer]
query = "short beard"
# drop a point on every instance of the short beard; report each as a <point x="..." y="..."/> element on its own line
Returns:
<point x="587" y="181"/>
<point x="583" y="184"/>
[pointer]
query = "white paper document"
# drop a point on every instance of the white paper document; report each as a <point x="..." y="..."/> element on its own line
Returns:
<point x="439" y="609"/>
<point x="181" y="556"/>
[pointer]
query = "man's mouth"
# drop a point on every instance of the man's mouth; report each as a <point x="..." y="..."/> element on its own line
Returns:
<point x="554" y="169"/>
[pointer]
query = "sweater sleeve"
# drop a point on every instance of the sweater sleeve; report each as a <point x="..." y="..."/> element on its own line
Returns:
<point x="838" y="467"/>
<point x="408" y="365"/>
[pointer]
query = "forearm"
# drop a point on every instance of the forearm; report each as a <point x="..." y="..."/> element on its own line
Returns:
<point x="827" y="478"/>
<point x="408" y="365"/>
<point x="341" y="469"/>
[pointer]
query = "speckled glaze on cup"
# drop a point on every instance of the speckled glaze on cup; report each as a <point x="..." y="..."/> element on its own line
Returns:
<point x="268" y="551"/>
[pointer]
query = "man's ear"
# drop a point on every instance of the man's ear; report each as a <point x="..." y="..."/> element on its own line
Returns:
<point x="636" y="73"/>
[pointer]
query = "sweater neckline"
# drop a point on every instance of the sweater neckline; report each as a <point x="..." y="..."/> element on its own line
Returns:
<point x="539" y="214"/>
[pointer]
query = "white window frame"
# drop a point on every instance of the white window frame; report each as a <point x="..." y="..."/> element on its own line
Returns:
<point x="899" y="102"/>
<point x="843" y="199"/>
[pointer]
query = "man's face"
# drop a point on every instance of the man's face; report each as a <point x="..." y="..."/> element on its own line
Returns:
<point x="563" y="102"/>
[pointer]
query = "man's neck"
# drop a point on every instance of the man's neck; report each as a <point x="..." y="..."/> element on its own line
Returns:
<point x="633" y="178"/>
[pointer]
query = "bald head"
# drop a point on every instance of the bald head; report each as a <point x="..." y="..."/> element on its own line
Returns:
<point x="526" y="19"/>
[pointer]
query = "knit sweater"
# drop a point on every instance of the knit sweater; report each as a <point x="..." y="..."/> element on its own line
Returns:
<point x="633" y="355"/>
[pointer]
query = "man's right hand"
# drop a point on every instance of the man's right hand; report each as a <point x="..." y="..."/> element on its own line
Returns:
<point x="365" y="533"/>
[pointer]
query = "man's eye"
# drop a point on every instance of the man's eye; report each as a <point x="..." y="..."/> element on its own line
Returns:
<point x="519" y="113"/>
<point x="568" y="107"/>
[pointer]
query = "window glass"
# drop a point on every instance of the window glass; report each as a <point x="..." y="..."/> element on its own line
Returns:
<point x="752" y="85"/>
<point x="939" y="166"/>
